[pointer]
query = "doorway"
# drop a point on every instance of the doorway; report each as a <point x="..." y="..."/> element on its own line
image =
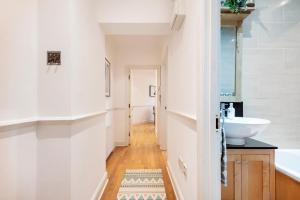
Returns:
<point x="143" y="98"/>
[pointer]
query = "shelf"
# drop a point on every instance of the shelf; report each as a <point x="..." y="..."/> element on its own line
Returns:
<point x="228" y="17"/>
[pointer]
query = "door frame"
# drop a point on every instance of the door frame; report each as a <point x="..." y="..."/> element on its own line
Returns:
<point x="130" y="68"/>
<point x="208" y="138"/>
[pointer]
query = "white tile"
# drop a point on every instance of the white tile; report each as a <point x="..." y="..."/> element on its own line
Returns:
<point x="271" y="69"/>
<point x="269" y="11"/>
<point x="258" y="107"/>
<point x="279" y="35"/>
<point x="292" y="61"/>
<point x="268" y="61"/>
<point x="250" y="33"/>
<point x="291" y="11"/>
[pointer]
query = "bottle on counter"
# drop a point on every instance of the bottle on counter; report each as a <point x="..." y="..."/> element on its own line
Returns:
<point x="231" y="111"/>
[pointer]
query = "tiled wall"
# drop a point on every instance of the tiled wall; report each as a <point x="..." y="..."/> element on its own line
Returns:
<point x="271" y="69"/>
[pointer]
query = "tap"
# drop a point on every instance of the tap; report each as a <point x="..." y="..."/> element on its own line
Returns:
<point x="222" y="111"/>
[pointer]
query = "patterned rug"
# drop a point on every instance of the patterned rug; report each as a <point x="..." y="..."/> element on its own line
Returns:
<point x="142" y="184"/>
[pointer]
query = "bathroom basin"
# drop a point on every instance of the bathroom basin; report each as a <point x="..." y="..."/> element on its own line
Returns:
<point x="240" y="128"/>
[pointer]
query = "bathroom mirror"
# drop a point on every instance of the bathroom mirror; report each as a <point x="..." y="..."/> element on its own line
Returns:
<point x="229" y="72"/>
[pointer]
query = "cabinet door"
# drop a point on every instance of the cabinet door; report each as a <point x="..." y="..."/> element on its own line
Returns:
<point x="256" y="177"/>
<point x="234" y="169"/>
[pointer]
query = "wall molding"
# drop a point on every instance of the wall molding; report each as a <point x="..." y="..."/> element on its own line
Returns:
<point x="177" y="190"/>
<point x="17" y="122"/>
<point x="71" y="118"/>
<point x="100" y="187"/>
<point x="183" y="115"/>
<point x="50" y="119"/>
<point x="116" y="108"/>
<point x="186" y="119"/>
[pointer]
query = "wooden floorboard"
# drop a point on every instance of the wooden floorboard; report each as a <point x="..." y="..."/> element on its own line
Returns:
<point x="143" y="153"/>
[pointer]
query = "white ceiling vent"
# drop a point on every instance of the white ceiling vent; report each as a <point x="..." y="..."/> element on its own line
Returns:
<point x="178" y="16"/>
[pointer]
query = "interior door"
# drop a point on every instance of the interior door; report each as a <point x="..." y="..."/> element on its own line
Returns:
<point x="162" y="108"/>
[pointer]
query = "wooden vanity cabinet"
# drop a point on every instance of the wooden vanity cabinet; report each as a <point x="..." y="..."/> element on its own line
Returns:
<point x="251" y="175"/>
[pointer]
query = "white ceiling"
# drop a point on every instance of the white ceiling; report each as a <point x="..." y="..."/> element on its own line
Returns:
<point x="149" y="41"/>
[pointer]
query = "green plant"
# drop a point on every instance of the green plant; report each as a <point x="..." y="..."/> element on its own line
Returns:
<point x="235" y="5"/>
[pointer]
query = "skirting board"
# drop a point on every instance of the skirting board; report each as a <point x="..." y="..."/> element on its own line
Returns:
<point x="100" y="187"/>
<point x="121" y="144"/>
<point x="178" y="193"/>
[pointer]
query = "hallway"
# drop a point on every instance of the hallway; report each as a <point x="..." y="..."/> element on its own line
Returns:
<point x="143" y="153"/>
<point x="68" y="70"/>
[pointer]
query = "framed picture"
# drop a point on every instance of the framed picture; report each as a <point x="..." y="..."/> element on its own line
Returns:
<point x="53" y="57"/>
<point x="107" y="78"/>
<point x="152" y="90"/>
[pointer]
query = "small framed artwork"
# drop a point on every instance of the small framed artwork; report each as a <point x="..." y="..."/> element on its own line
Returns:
<point x="107" y="78"/>
<point x="53" y="57"/>
<point x="152" y="90"/>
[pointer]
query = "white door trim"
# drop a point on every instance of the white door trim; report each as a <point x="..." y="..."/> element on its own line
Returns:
<point x="208" y="147"/>
<point x="129" y="69"/>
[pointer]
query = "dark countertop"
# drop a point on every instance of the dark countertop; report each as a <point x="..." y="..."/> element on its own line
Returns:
<point x="252" y="144"/>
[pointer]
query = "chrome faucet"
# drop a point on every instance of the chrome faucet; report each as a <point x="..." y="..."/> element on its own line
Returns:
<point x="222" y="111"/>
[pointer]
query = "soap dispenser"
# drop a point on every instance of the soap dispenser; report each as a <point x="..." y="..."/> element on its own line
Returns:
<point x="231" y="111"/>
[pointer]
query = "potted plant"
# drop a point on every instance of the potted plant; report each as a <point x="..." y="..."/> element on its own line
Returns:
<point x="235" y="6"/>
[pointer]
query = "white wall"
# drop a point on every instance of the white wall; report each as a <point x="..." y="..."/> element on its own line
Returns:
<point x="88" y="151"/>
<point x="183" y="54"/>
<point x="53" y="160"/>
<point x="18" y="59"/>
<point x="88" y="155"/>
<point x="141" y="103"/>
<point x="18" y="162"/>
<point x="79" y="86"/>
<point x="88" y="54"/>
<point x="18" y="98"/>
<point x="110" y="123"/>
<point x="271" y="70"/>
<point x="59" y="158"/>
<point x="54" y="87"/>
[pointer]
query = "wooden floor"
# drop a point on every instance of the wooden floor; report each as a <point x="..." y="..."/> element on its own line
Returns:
<point x="143" y="153"/>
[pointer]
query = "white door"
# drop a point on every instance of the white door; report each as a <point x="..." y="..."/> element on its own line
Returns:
<point x="162" y="108"/>
<point x="208" y="148"/>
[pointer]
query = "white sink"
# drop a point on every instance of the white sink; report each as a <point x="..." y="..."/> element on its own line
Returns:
<point x="240" y="128"/>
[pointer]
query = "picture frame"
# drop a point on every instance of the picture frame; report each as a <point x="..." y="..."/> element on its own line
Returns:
<point x="107" y="78"/>
<point x="152" y="90"/>
<point x="53" y="57"/>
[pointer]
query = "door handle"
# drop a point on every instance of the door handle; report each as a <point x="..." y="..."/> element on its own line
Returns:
<point x="217" y="122"/>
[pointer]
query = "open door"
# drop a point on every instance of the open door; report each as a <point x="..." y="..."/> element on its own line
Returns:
<point x="209" y="139"/>
<point x="162" y="108"/>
